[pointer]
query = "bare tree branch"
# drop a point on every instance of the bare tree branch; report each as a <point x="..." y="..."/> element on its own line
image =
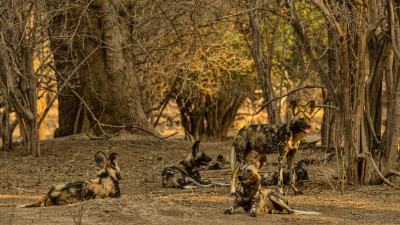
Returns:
<point x="291" y="92"/>
<point x="65" y="83"/>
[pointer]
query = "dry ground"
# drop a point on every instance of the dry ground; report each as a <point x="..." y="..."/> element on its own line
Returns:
<point x="24" y="179"/>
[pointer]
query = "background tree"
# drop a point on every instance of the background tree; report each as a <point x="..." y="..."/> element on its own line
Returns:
<point x="356" y="30"/>
<point x="19" y="39"/>
<point x="193" y="56"/>
<point x="216" y="86"/>
<point x="99" y="36"/>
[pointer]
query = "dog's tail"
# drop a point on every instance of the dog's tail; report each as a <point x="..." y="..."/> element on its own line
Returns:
<point x="38" y="203"/>
<point x="306" y="212"/>
<point x="233" y="158"/>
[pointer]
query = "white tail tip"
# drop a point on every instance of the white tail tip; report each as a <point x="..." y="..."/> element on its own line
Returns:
<point x="307" y="212"/>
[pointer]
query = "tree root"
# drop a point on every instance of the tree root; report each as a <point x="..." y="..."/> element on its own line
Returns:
<point x="381" y="175"/>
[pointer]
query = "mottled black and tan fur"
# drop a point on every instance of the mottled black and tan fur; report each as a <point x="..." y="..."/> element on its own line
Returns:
<point x="252" y="197"/>
<point x="267" y="138"/>
<point x="300" y="174"/>
<point x="186" y="173"/>
<point x="105" y="185"/>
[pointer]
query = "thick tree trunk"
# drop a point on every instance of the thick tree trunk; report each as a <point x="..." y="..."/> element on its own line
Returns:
<point x="388" y="153"/>
<point x="109" y="84"/>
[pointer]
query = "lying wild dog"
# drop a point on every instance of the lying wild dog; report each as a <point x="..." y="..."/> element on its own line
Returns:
<point x="186" y="174"/>
<point x="265" y="138"/>
<point x="254" y="199"/>
<point x="219" y="164"/>
<point x="300" y="174"/>
<point x="105" y="185"/>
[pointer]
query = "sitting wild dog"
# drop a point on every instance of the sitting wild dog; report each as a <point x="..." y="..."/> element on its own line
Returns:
<point x="186" y="173"/>
<point x="254" y="199"/>
<point x="300" y="174"/>
<point x="105" y="185"/>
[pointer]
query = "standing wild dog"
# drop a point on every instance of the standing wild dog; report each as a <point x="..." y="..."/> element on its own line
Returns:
<point x="105" y="185"/>
<point x="186" y="173"/>
<point x="265" y="138"/>
<point x="254" y="199"/>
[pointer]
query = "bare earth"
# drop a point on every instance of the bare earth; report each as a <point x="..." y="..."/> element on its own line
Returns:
<point x="144" y="201"/>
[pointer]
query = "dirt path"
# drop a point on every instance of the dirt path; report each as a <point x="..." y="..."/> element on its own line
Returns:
<point x="24" y="178"/>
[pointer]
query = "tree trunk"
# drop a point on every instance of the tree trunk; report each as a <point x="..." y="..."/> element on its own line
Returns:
<point x="6" y="128"/>
<point x="388" y="153"/>
<point x="18" y="41"/>
<point x="109" y="83"/>
<point x="263" y="65"/>
<point x="361" y="101"/>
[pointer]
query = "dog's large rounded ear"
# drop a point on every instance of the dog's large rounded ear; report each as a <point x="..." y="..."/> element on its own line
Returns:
<point x="294" y="107"/>
<point x="260" y="160"/>
<point x="100" y="159"/>
<point x="310" y="107"/>
<point x="196" y="147"/>
<point x="113" y="159"/>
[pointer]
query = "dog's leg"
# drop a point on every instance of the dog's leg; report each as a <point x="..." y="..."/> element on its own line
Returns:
<point x="234" y="168"/>
<point x="254" y="204"/>
<point x="220" y="184"/>
<point x="277" y="199"/>
<point x="236" y="203"/>
<point x="290" y="160"/>
<point x="193" y="181"/>
<point x="234" y="178"/>
<point x="282" y="154"/>
<point x="38" y="203"/>
<point x="231" y="209"/>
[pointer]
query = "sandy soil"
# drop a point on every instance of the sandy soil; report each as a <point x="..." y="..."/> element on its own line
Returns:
<point x="24" y="179"/>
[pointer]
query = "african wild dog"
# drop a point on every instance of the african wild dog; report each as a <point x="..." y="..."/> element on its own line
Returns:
<point x="265" y="138"/>
<point x="186" y="173"/>
<point x="300" y="174"/>
<point x="254" y="199"/>
<point x="105" y="185"/>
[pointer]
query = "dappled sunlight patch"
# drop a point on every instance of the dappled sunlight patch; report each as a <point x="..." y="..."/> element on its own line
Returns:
<point x="195" y="197"/>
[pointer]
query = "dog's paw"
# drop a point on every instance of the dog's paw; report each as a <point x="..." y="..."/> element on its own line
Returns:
<point x="206" y="182"/>
<point x="297" y="192"/>
<point x="253" y="212"/>
<point x="228" y="212"/>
